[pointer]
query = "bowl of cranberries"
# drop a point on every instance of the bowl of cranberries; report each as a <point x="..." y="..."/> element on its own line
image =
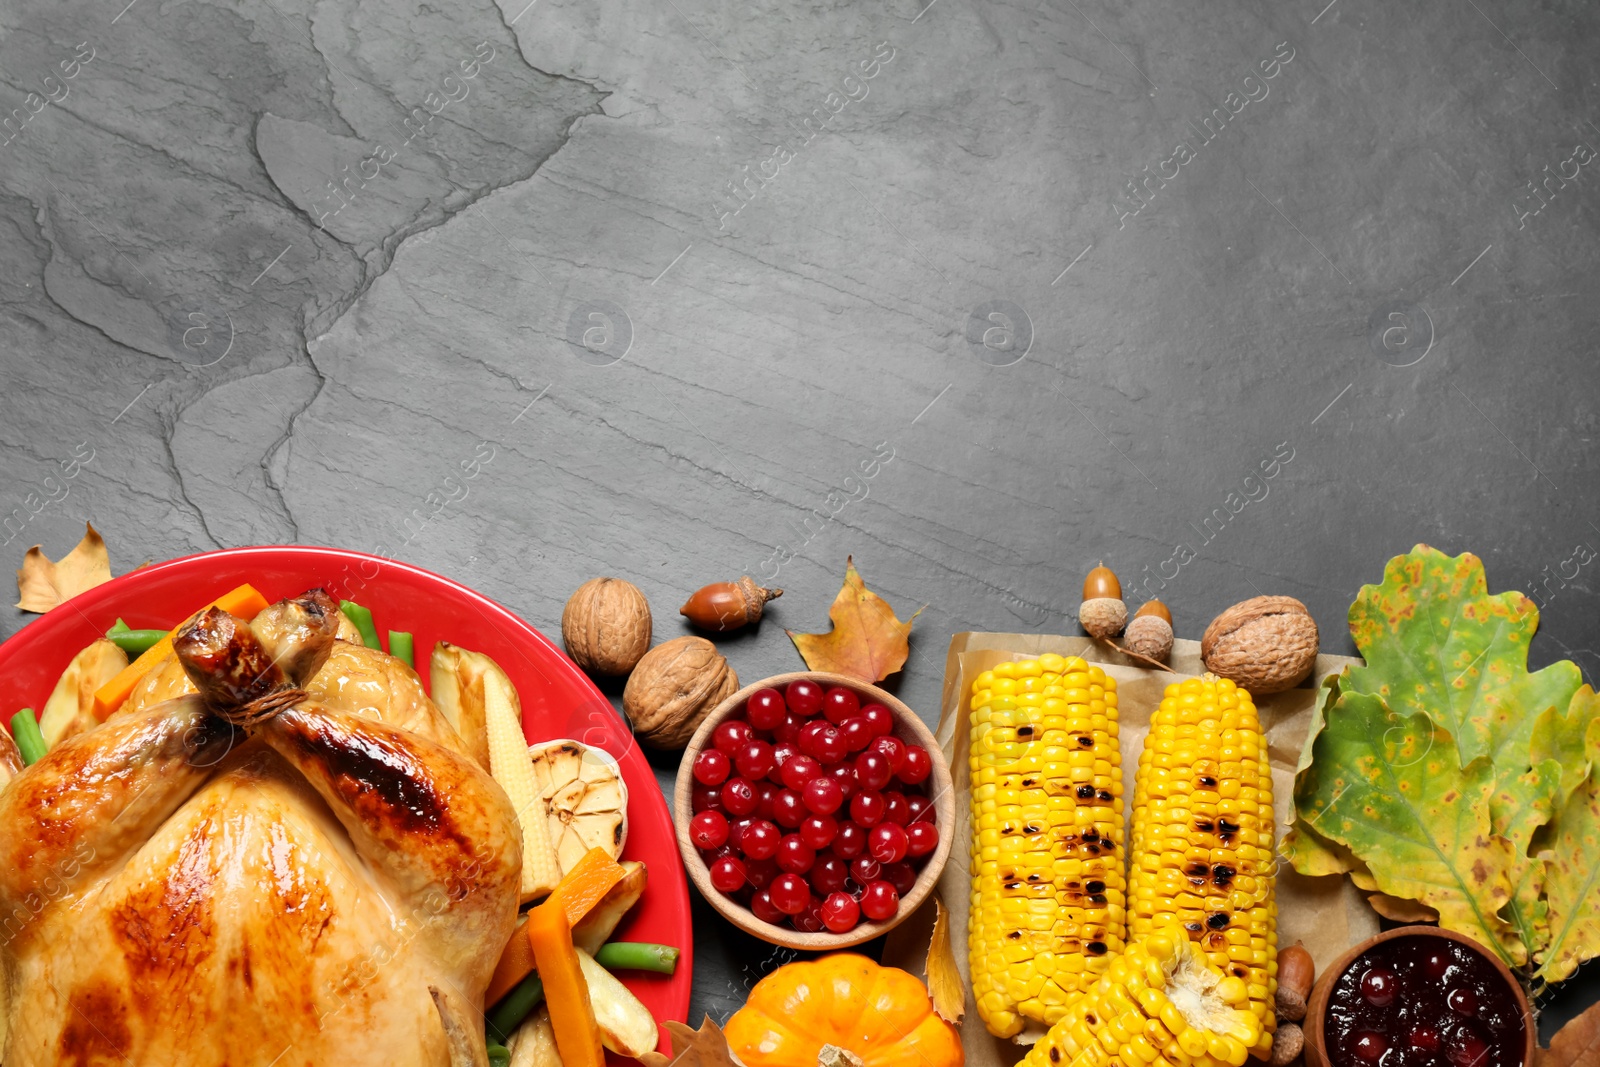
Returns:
<point x="813" y="810"/>
<point x="1419" y="996"/>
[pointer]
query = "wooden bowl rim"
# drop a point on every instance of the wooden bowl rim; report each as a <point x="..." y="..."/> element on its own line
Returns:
<point x="942" y="794"/>
<point x="1316" y="1050"/>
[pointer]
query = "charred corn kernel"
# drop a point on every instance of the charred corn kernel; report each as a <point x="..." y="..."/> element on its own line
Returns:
<point x="1181" y="1020"/>
<point x="1202" y="843"/>
<point x="1049" y="910"/>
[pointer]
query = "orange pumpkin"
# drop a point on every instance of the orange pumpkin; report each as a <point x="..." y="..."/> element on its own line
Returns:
<point x="800" y="1014"/>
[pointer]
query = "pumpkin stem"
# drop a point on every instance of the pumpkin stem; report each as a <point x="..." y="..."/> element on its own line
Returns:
<point x="834" y="1056"/>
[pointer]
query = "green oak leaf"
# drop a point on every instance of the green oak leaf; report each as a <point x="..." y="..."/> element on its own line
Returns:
<point x="1436" y="642"/>
<point x="1570" y="845"/>
<point x="1390" y="787"/>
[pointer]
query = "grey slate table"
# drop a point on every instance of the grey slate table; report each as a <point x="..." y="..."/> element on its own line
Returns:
<point x="978" y="292"/>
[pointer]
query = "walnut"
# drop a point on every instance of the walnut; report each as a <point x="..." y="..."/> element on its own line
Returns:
<point x="1266" y="644"/>
<point x="673" y="688"/>
<point x="606" y="626"/>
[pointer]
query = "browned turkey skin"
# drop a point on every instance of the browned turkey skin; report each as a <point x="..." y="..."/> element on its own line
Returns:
<point x="249" y="876"/>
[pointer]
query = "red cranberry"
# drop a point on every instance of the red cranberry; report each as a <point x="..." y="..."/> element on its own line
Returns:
<point x="766" y="797"/>
<point x="840" y="912"/>
<point x="831" y="745"/>
<point x="761" y="904"/>
<point x="788" y="809"/>
<point x="829" y="874"/>
<point x="789" y="893"/>
<point x="879" y="901"/>
<point x="839" y="704"/>
<point x="817" y="831"/>
<point x="1436" y="963"/>
<point x="901" y="876"/>
<point x="709" y="829"/>
<point x="739" y="796"/>
<point x="804" y="697"/>
<point x="1462" y="1001"/>
<point x="1378" y="987"/>
<point x="727" y="874"/>
<point x="730" y="735"/>
<point x="866" y="808"/>
<point x="704" y="798"/>
<point x="782" y="753"/>
<point x="711" y="767"/>
<point x="921" y="839"/>
<point x="823" y="795"/>
<point x="850" y="841"/>
<point x="887" y="843"/>
<point x="865" y="870"/>
<point x="845" y="775"/>
<point x="915" y="765"/>
<point x="810" y="738"/>
<point x="754" y="759"/>
<point x="1425" y="1039"/>
<point x="810" y="920"/>
<point x="920" y="807"/>
<point x="760" y="840"/>
<point x="765" y="709"/>
<point x="892" y="747"/>
<point x="800" y="770"/>
<point x="760" y="873"/>
<point x="788" y="729"/>
<point x="794" y="855"/>
<point x="1369" y="1045"/>
<point x="895" y="808"/>
<point x="873" y="769"/>
<point x="881" y="718"/>
<point x="1467" y="1049"/>
<point x="857" y="733"/>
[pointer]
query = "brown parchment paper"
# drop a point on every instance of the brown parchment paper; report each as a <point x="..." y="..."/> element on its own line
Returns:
<point x="1326" y="914"/>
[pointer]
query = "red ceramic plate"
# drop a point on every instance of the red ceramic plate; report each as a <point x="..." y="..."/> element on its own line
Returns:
<point x="558" y="700"/>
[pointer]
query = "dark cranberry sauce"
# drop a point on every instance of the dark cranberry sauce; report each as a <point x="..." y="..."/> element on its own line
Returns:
<point x="1423" y="1001"/>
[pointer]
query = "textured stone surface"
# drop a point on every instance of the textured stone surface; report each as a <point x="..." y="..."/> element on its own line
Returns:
<point x="179" y="294"/>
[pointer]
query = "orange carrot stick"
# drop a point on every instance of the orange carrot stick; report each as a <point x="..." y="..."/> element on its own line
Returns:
<point x="565" y="989"/>
<point x="244" y="602"/>
<point x="578" y="892"/>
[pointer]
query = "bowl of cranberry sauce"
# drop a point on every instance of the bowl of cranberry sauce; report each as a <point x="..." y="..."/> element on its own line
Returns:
<point x="1419" y="996"/>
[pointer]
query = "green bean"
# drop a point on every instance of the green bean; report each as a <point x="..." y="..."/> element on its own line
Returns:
<point x="25" y="732"/>
<point x="135" y="642"/>
<point x="637" y="956"/>
<point x="499" y="1056"/>
<point x="514" y="1007"/>
<point x="401" y="648"/>
<point x="118" y="627"/>
<point x="362" y="618"/>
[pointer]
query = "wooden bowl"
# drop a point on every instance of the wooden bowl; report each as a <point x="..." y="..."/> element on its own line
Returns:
<point x="908" y="728"/>
<point x="1316" y="1049"/>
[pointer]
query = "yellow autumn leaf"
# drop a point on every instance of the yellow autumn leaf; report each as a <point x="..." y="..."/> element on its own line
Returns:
<point x="945" y="987"/>
<point x="868" y="641"/>
<point x="41" y="584"/>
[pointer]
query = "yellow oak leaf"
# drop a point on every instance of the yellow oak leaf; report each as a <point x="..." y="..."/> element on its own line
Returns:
<point x="41" y="584"/>
<point x="945" y="987"/>
<point x="867" y="640"/>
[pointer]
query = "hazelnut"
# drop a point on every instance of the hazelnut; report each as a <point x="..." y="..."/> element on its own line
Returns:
<point x="1297" y="973"/>
<point x="673" y="688"/>
<point x="1150" y="633"/>
<point x="1288" y="1041"/>
<point x="1266" y="644"/>
<point x="606" y="626"/>
<point x="1102" y="614"/>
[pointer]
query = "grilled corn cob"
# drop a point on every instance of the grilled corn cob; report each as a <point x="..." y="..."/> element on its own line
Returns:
<point x="1047" y="912"/>
<point x="1160" y="1003"/>
<point x="1202" y="842"/>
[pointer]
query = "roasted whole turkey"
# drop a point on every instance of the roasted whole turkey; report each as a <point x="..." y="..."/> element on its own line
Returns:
<point x="275" y="853"/>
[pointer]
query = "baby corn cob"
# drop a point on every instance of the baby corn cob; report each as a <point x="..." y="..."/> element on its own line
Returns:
<point x="1202" y="842"/>
<point x="1159" y="1004"/>
<point x="1047" y="912"/>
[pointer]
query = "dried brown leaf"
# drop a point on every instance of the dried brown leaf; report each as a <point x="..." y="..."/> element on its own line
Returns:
<point x="41" y="584"/>
<point x="705" y="1047"/>
<point x="945" y="987"/>
<point x="867" y="641"/>
<point x="1576" y="1044"/>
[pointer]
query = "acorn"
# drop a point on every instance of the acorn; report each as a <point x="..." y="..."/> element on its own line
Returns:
<point x="1150" y="632"/>
<point x="723" y="606"/>
<point x="1102" y="613"/>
